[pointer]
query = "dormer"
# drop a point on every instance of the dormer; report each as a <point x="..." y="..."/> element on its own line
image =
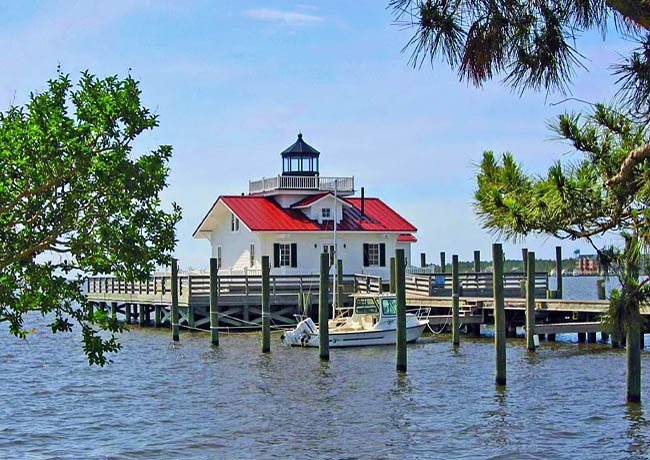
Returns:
<point x="322" y="208"/>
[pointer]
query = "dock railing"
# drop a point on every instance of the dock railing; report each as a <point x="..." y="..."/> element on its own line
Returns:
<point x="477" y="284"/>
<point x="195" y="288"/>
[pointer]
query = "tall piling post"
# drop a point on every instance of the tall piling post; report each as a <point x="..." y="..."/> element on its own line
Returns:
<point x="401" y="311"/>
<point x="443" y="263"/>
<point x="633" y="358"/>
<point x="127" y="313"/>
<point x="214" y="302"/>
<point x="524" y="258"/>
<point x="455" y="304"/>
<point x="141" y="314"/>
<point x="530" y="301"/>
<point x="499" y="315"/>
<point x="423" y="260"/>
<point x="114" y="310"/>
<point x="266" y="305"/>
<point x="323" y="309"/>
<point x="600" y="290"/>
<point x="558" y="270"/>
<point x="477" y="261"/>
<point x="393" y="275"/>
<point x="175" y="323"/>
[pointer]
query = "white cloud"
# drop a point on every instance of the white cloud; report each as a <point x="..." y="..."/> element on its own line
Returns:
<point x="289" y="17"/>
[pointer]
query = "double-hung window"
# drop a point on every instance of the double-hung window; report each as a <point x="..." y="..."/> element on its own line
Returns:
<point x="219" y="249"/>
<point x="374" y="255"/>
<point x="234" y="223"/>
<point x="252" y="255"/>
<point x="285" y="255"/>
<point x="326" y="213"/>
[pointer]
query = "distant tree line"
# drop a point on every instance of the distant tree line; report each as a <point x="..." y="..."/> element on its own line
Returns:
<point x="509" y="265"/>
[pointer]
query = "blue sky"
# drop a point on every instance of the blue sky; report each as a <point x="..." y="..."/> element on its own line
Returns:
<point x="234" y="82"/>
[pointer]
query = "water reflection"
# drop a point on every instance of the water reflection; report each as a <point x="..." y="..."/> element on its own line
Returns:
<point x="638" y="432"/>
<point x="498" y="418"/>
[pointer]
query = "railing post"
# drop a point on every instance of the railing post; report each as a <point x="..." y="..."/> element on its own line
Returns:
<point x="423" y="260"/>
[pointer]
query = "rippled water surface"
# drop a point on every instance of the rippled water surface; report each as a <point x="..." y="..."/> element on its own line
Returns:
<point x="159" y="400"/>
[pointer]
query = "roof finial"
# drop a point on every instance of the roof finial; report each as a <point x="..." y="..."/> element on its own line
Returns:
<point x="299" y="134"/>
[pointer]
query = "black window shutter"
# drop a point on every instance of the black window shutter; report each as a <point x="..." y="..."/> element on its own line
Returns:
<point x="366" y="262"/>
<point x="294" y="255"/>
<point x="276" y="255"/>
<point x="382" y="255"/>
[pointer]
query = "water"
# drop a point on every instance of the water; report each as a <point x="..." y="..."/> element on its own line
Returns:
<point x="159" y="400"/>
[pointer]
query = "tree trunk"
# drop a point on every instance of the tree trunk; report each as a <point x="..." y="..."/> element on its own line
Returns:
<point x="633" y="355"/>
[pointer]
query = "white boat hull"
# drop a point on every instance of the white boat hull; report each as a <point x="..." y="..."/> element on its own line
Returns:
<point x="306" y="335"/>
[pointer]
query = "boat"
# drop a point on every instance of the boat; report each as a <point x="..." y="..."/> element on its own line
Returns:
<point x="373" y="322"/>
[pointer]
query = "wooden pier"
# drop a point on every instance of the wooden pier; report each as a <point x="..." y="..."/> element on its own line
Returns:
<point x="429" y="295"/>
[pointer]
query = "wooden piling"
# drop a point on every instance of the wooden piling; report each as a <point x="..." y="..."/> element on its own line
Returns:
<point x="114" y="310"/>
<point x="174" y="312"/>
<point x="633" y="358"/>
<point x="214" y="302"/>
<point x="157" y="317"/>
<point x="127" y="313"/>
<point x="591" y="337"/>
<point x="266" y="305"/>
<point x="530" y="301"/>
<point x="477" y="261"/>
<point x="90" y="312"/>
<point x="141" y="315"/>
<point x="558" y="270"/>
<point x="455" y="302"/>
<point x="443" y="263"/>
<point x="323" y="309"/>
<point x="499" y="315"/>
<point x="582" y="337"/>
<point x="423" y="260"/>
<point x="400" y="287"/>
<point x="393" y="274"/>
<point x="524" y="258"/>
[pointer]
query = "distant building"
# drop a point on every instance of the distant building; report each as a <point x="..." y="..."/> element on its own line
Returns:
<point x="587" y="264"/>
<point x="290" y="218"/>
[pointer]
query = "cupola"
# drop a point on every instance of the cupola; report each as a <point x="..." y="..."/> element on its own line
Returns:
<point x="300" y="159"/>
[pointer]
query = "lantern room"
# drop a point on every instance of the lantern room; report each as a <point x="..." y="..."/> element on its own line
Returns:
<point x="300" y="159"/>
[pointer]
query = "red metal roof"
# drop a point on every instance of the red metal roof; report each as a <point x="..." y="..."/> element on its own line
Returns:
<point x="406" y="237"/>
<point x="260" y="213"/>
<point x="309" y="200"/>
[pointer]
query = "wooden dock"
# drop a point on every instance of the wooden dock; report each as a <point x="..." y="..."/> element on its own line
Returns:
<point x="429" y="295"/>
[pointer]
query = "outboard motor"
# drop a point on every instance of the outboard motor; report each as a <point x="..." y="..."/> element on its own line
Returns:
<point x="301" y="335"/>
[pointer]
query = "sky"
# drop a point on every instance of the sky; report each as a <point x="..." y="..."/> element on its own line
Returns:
<point x="234" y="82"/>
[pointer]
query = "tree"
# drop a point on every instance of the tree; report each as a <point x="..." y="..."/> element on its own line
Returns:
<point x="533" y="46"/>
<point x="74" y="200"/>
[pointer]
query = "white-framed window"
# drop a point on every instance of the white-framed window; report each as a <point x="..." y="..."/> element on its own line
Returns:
<point x="285" y="254"/>
<point x="219" y="250"/>
<point x="252" y="254"/>
<point x="326" y="213"/>
<point x="234" y="223"/>
<point x="373" y="254"/>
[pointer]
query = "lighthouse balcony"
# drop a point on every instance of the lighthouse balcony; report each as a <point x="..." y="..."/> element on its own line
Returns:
<point x="343" y="185"/>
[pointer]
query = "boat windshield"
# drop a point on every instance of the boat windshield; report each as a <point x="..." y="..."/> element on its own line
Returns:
<point x="389" y="306"/>
<point x="367" y="305"/>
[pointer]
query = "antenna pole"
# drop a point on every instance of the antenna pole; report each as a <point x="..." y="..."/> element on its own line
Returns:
<point x="335" y="250"/>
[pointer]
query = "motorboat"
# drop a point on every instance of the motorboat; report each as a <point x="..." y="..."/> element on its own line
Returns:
<point x="373" y="322"/>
